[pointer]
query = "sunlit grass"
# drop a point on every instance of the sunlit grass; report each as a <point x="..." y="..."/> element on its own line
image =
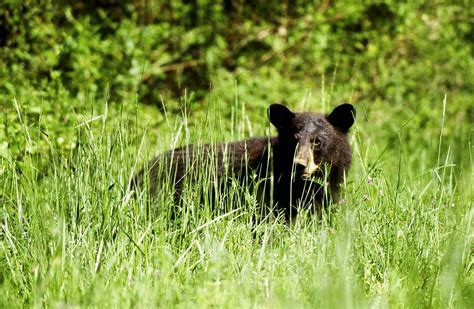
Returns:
<point x="75" y="234"/>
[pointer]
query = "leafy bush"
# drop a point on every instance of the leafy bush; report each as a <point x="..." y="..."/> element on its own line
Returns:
<point x="63" y="57"/>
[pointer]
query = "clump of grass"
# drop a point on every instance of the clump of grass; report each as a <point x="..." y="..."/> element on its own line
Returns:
<point x="73" y="234"/>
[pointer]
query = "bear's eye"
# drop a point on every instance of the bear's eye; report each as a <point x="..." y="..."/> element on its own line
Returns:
<point x="316" y="143"/>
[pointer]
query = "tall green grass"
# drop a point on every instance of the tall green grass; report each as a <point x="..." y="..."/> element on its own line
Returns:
<point x="74" y="234"/>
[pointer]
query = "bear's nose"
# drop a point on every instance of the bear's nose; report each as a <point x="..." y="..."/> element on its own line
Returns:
<point x="300" y="166"/>
<point x="304" y="161"/>
<point x="305" y="166"/>
<point x="301" y="163"/>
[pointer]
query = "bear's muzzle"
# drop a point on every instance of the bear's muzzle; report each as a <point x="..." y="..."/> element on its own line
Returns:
<point x="305" y="158"/>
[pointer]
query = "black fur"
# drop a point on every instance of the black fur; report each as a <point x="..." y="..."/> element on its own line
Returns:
<point x="308" y="160"/>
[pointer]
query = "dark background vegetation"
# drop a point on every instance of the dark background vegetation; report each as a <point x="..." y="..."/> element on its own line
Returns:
<point x="65" y="58"/>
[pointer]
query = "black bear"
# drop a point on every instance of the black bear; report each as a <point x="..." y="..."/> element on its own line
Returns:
<point x="301" y="167"/>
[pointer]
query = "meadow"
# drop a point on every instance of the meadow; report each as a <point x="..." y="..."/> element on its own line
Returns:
<point x="73" y="233"/>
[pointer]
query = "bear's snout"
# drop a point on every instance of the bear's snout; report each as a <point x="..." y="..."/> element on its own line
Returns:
<point x="304" y="161"/>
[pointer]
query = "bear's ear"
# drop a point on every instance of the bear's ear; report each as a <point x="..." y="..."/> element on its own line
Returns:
<point x="280" y="116"/>
<point x="342" y="117"/>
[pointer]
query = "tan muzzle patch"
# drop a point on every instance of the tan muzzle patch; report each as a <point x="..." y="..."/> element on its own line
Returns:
<point x="304" y="157"/>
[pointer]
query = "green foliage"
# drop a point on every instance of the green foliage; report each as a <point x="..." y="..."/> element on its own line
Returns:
<point x="73" y="234"/>
<point x="89" y="90"/>
<point x="405" y="56"/>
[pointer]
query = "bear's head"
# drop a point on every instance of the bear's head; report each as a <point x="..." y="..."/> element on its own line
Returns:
<point x="313" y="141"/>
